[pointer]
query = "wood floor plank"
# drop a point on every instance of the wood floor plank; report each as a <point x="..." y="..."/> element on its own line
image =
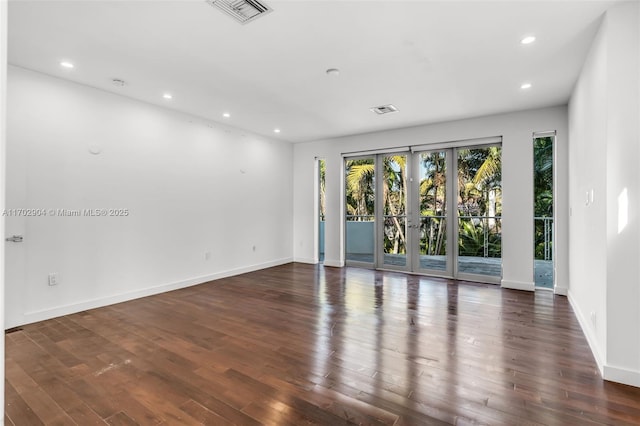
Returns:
<point x="121" y="419"/>
<point x="136" y="411"/>
<point x="18" y="409"/>
<point x="303" y="344"/>
<point x="203" y="414"/>
<point x="46" y="408"/>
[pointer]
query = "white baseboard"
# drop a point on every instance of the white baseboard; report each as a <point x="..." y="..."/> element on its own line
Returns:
<point x="561" y="291"/>
<point x="333" y="263"/>
<point x="73" y="308"/>
<point x="608" y="372"/>
<point x="518" y="285"/>
<point x="305" y="260"/>
<point x="588" y="332"/>
<point x="621" y="375"/>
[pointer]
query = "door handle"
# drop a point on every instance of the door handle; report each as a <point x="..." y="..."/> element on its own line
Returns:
<point x="14" y="239"/>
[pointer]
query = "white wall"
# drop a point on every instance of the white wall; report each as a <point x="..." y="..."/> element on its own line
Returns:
<point x="587" y="224"/>
<point x="3" y="117"/>
<point x="191" y="187"/>
<point x="517" y="174"/>
<point x="604" y="135"/>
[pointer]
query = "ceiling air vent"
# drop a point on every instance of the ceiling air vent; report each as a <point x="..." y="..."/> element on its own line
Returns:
<point x="242" y="11"/>
<point x="384" y="109"/>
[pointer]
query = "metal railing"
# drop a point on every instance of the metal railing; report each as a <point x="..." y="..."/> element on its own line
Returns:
<point x="547" y="235"/>
<point x="482" y="239"/>
<point x="360" y="217"/>
<point x="491" y="225"/>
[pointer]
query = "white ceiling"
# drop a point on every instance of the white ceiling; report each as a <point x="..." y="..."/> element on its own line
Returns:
<point x="434" y="61"/>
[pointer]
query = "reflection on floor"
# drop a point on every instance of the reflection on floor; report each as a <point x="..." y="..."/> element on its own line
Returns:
<point x="303" y="344"/>
<point x="490" y="266"/>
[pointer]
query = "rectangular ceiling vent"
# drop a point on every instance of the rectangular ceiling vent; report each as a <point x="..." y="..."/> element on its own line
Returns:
<point x="384" y="109"/>
<point x="242" y="11"/>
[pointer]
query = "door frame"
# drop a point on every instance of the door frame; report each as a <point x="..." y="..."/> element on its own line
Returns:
<point x="380" y="217"/>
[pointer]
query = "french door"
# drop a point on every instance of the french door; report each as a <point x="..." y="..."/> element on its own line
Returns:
<point x="434" y="212"/>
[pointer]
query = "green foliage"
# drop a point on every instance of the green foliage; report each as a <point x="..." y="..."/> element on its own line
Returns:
<point x="543" y="176"/>
<point x="543" y="234"/>
<point x="471" y="238"/>
<point x="543" y="196"/>
<point x="433" y="239"/>
<point x="480" y="194"/>
<point x="480" y="181"/>
<point x="360" y="195"/>
<point x="323" y="172"/>
<point x="433" y="203"/>
<point x="394" y="187"/>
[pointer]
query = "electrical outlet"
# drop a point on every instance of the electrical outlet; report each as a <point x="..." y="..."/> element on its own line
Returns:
<point x="53" y="278"/>
<point x="207" y="255"/>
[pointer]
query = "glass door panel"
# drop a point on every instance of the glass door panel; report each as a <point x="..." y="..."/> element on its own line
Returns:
<point x="433" y="198"/>
<point x="360" y="210"/>
<point x="479" y="211"/>
<point x="394" y="211"/>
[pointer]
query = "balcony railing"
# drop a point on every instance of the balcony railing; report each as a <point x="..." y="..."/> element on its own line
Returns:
<point x="479" y="236"/>
<point x="544" y="237"/>
<point x="482" y="234"/>
<point x="360" y="217"/>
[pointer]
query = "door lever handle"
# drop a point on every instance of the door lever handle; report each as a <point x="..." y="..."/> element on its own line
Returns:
<point x="14" y="239"/>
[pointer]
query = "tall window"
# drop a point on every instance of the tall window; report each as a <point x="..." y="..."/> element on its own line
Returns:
<point x="321" y="207"/>
<point x="543" y="209"/>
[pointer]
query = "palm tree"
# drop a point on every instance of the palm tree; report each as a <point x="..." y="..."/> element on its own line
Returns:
<point x="360" y="190"/>
<point x="480" y="184"/>
<point x="433" y="201"/>
<point x="394" y="187"/>
<point x="479" y="177"/>
<point x="360" y="195"/>
<point x="490" y="171"/>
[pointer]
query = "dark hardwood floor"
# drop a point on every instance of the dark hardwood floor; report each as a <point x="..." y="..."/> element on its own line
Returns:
<point x="302" y="344"/>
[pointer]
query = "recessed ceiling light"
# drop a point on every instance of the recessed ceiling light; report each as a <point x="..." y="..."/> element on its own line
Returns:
<point x="525" y="86"/>
<point x="333" y="71"/>
<point x="167" y="96"/>
<point x="276" y="130"/>
<point x="528" y="40"/>
<point x="226" y="115"/>
<point x="66" y="64"/>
